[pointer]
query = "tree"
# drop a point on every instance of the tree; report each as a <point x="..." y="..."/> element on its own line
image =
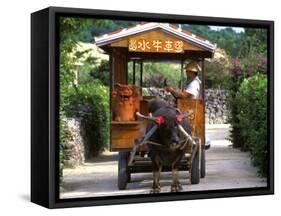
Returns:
<point x="226" y="39"/>
<point x="254" y="42"/>
<point x="70" y="30"/>
<point x="217" y="70"/>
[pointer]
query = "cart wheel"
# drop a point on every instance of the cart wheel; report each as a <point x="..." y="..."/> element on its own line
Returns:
<point x="123" y="170"/>
<point x="203" y="163"/>
<point x="195" y="171"/>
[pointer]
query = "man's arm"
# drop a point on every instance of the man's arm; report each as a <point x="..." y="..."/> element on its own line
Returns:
<point x="178" y="94"/>
<point x="181" y="94"/>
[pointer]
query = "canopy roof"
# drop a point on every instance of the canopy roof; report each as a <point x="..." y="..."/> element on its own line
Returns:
<point x="147" y="31"/>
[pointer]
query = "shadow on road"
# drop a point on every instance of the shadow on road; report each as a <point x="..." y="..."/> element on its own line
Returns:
<point x="104" y="157"/>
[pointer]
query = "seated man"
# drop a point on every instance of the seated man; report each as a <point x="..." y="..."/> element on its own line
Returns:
<point x="192" y="89"/>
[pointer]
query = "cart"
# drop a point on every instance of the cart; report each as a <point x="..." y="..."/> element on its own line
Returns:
<point x="153" y="42"/>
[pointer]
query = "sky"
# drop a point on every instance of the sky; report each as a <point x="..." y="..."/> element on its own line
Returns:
<point x="236" y="29"/>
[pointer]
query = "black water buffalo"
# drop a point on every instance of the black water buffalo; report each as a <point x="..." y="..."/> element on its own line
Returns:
<point x="172" y="143"/>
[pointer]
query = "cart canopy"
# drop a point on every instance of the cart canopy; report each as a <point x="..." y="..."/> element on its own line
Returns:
<point x="156" y="40"/>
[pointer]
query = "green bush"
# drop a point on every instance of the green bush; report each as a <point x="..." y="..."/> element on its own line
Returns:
<point x="90" y="102"/>
<point x="247" y="86"/>
<point x="101" y="72"/>
<point x="217" y="70"/>
<point x="241" y="69"/>
<point x="154" y="74"/>
<point x="252" y="115"/>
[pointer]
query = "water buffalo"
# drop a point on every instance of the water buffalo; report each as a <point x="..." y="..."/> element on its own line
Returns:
<point x="167" y="144"/>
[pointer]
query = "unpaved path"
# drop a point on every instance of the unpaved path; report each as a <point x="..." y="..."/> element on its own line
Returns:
<point x="226" y="168"/>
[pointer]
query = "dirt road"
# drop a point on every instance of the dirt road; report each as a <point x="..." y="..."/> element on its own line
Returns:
<point x="226" y="168"/>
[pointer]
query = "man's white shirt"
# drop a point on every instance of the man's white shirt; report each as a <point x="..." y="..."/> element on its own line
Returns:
<point x="193" y="88"/>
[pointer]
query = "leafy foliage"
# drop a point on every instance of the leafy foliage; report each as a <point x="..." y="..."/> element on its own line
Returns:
<point x="217" y="70"/>
<point x="226" y="39"/>
<point x="241" y="69"/>
<point x="101" y="72"/>
<point x="248" y="100"/>
<point x="252" y="116"/>
<point x="90" y="102"/>
<point x="110" y="25"/>
<point x="155" y="73"/>
<point x="70" y="32"/>
<point x="69" y="28"/>
<point x="254" y="41"/>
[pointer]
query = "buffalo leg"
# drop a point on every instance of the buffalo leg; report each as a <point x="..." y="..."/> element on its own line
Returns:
<point x="156" y="179"/>
<point x="176" y="186"/>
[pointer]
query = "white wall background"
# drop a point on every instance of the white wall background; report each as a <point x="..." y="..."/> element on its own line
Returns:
<point x="15" y="106"/>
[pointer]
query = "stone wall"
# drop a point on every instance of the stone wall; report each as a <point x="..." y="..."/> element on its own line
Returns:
<point x="159" y="93"/>
<point x="74" y="150"/>
<point x="216" y="111"/>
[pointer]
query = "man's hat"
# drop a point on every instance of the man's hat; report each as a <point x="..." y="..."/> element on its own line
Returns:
<point x="192" y="66"/>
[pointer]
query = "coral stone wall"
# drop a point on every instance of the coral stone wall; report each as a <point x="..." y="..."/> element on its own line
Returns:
<point x="74" y="146"/>
<point x="216" y="111"/>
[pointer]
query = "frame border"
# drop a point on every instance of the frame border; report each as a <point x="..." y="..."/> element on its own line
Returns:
<point x="50" y="196"/>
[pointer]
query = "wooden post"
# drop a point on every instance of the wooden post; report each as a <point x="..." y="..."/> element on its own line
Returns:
<point x="134" y="72"/>
<point x="141" y="75"/>
<point x="203" y="152"/>
<point x="203" y="80"/>
<point x="126" y="70"/>
<point x="182" y="75"/>
<point x="203" y="94"/>
<point x="111" y="80"/>
<point x="112" y="71"/>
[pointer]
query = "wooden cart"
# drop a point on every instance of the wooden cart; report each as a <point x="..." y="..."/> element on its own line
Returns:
<point x="154" y="42"/>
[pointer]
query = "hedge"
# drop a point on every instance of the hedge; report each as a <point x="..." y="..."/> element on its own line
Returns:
<point x="252" y="115"/>
<point x="90" y="102"/>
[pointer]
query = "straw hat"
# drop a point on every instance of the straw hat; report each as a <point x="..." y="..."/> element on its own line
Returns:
<point x="193" y="67"/>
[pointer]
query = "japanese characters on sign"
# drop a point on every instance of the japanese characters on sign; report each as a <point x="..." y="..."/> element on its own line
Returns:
<point x="155" y="45"/>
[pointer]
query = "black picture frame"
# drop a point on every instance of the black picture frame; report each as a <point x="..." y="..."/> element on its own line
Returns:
<point x="45" y="97"/>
